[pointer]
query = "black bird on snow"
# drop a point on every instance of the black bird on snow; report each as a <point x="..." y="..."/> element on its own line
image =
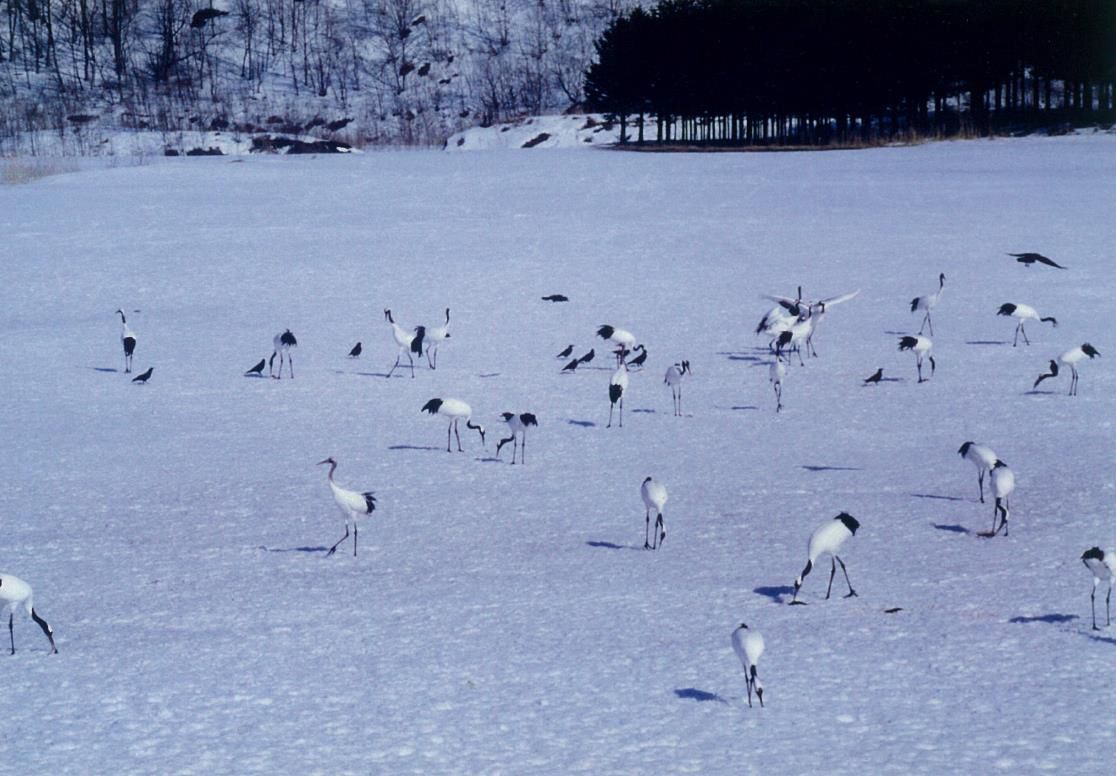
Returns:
<point x="1027" y="259"/>
<point x="556" y="298"/>
<point x="876" y="377"/>
<point x="587" y="357"/>
<point x="565" y="352"/>
<point x="641" y="359"/>
<point x="143" y="378"/>
<point x="257" y="370"/>
<point x="572" y="366"/>
<point x="355" y="352"/>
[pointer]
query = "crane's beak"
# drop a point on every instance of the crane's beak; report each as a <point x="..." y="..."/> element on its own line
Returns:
<point x="327" y="460"/>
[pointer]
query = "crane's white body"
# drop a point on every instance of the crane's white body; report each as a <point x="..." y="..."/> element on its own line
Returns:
<point x="517" y="423"/>
<point x="622" y="338"/>
<point x="1102" y="563"/>
<point x="353" y="505"/>
<point x="408" y="342"/>
<point x="1070" y="358"/>
<point x="456" y="411"/>
<point x="15" y="595"/>
<point x="980" y="456"/>
<point x="127" y="341"/>
<point x="928" y="303"/>
<point x="281" y="346"/>
<point x="673" y="378"/>
<point x="749" y="645"/>
<point x="654" y="495"/>
<point x="1023" y="313"/>
<point x="617" y="387"/>
<point x="776" y="373"/>
<point x="1001" y="480"/>
<point x="921" y="346"/>
<point x="828" y="538"/>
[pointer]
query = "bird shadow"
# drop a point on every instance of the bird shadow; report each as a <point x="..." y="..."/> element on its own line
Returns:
<point x="486" y="375"/>
<point x="775" y="592"/>
<point x="104" y="369"/>
<point x="743" y="357"/>
<point x="832" y="468"/>
<point x="1034" y="392"/>
<point x="582" y="423"/>
<point x="645" y="411"/>
<point x="956" y="528"/>
<point x="490" y="459"/>
<point x="294" y="549"/>
<point x="739" y="408"/>
<point x="1051" y="618"/>
<point x="701" y="696"/>
<point x="373" y="374"/>
<point x="1101" y="639"/>
<point x="936" y="497"/>
<point x="603" y="545"/>
<point x="885" y="380"/>
<point x="413" y="447"/>
<point x="986" y="342"/>
<point x="258" y="376"/>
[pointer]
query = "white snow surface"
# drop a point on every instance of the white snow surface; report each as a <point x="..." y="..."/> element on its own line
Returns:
<point x="505" y="619"/>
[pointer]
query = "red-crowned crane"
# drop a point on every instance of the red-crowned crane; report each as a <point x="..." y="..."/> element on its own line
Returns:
<point x="517" y="424"/>
<point x="1070" y="359"/>
<point x="456" y="410"/>
<point x="654" y="495"/>
<point x="829" y="538"/>
<point x="434" y="338"/>
<point x="928" y="303"/>
<point x="127" y="340"/>
<point x="617" y="385"/>
<point x="673" y="378"/>
<point x="14" y="594"/>
<point x="748" y="645"/>
<point x="1024" y="313"/>
<point x="921" y="347"/>
<point x="1001" y="481"/>
<point x="353" y="505"/>
<point x="1103" y="565"/>
<point x="408" y="342"/>
<point x="776" y="373"/>
<point x="622" y="338"/>
<point x="982" y="458"/>
<point x="282" y="348"/>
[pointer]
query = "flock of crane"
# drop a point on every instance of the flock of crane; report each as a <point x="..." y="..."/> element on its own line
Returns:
<point x="790" y="327"/>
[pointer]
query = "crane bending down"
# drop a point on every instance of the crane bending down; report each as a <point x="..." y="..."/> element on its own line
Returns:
<point x="1024" y="313"/>
<point x="654" y="495"/>
<point x="748" y="645"/>
<point x="15" y="593"/>
<point x="1070" y="359"/>
<point x="353" y="505"/>
<point x="283" y="344"/>
<point x="828" y="538"/>
<point x="517" y="424"/>
<point x="434" y="338"/>
<point x="455" y="410"/>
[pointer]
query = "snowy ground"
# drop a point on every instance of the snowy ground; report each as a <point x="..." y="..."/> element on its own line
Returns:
<point x="502" y="619"/>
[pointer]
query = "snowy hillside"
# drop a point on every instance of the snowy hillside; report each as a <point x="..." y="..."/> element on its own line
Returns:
<point x="505" y="619"/>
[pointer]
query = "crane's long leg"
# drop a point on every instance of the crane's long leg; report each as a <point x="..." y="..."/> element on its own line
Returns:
<point x="523" y="450"/>
<point x="851" y="593"/>
<point x="397" y="356"/>
<point x="449" y="429"/>
<point x="515" y="445"/>
<point x="333" y="549"/>
<point x="412" y="364"/>
<point x="1024" y="330"/>
<point x="1092" y="602"/>
<point x="290" y="363"/>
<point x="660" y="530"/>
<point x="621" y="412"/>
<point x="610" y="408"/>
<point x="1073" y="381"/>
<point x="832" y="572"/>
<point x="748" y="684"/>
<point x="980" y="482"/>
<point x="457" y="434"/>
<point x="1107" y="611"/>
<point x="679" y="400"/>
<point x="11" y="628"/>
<point x="647" y="529"/>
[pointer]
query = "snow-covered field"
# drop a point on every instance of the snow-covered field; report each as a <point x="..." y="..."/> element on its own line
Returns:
<point x="505" y="619"/>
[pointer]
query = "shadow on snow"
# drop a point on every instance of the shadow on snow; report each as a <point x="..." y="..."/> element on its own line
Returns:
<point x="701" y="696"/>
<point x="775" y="592"/>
